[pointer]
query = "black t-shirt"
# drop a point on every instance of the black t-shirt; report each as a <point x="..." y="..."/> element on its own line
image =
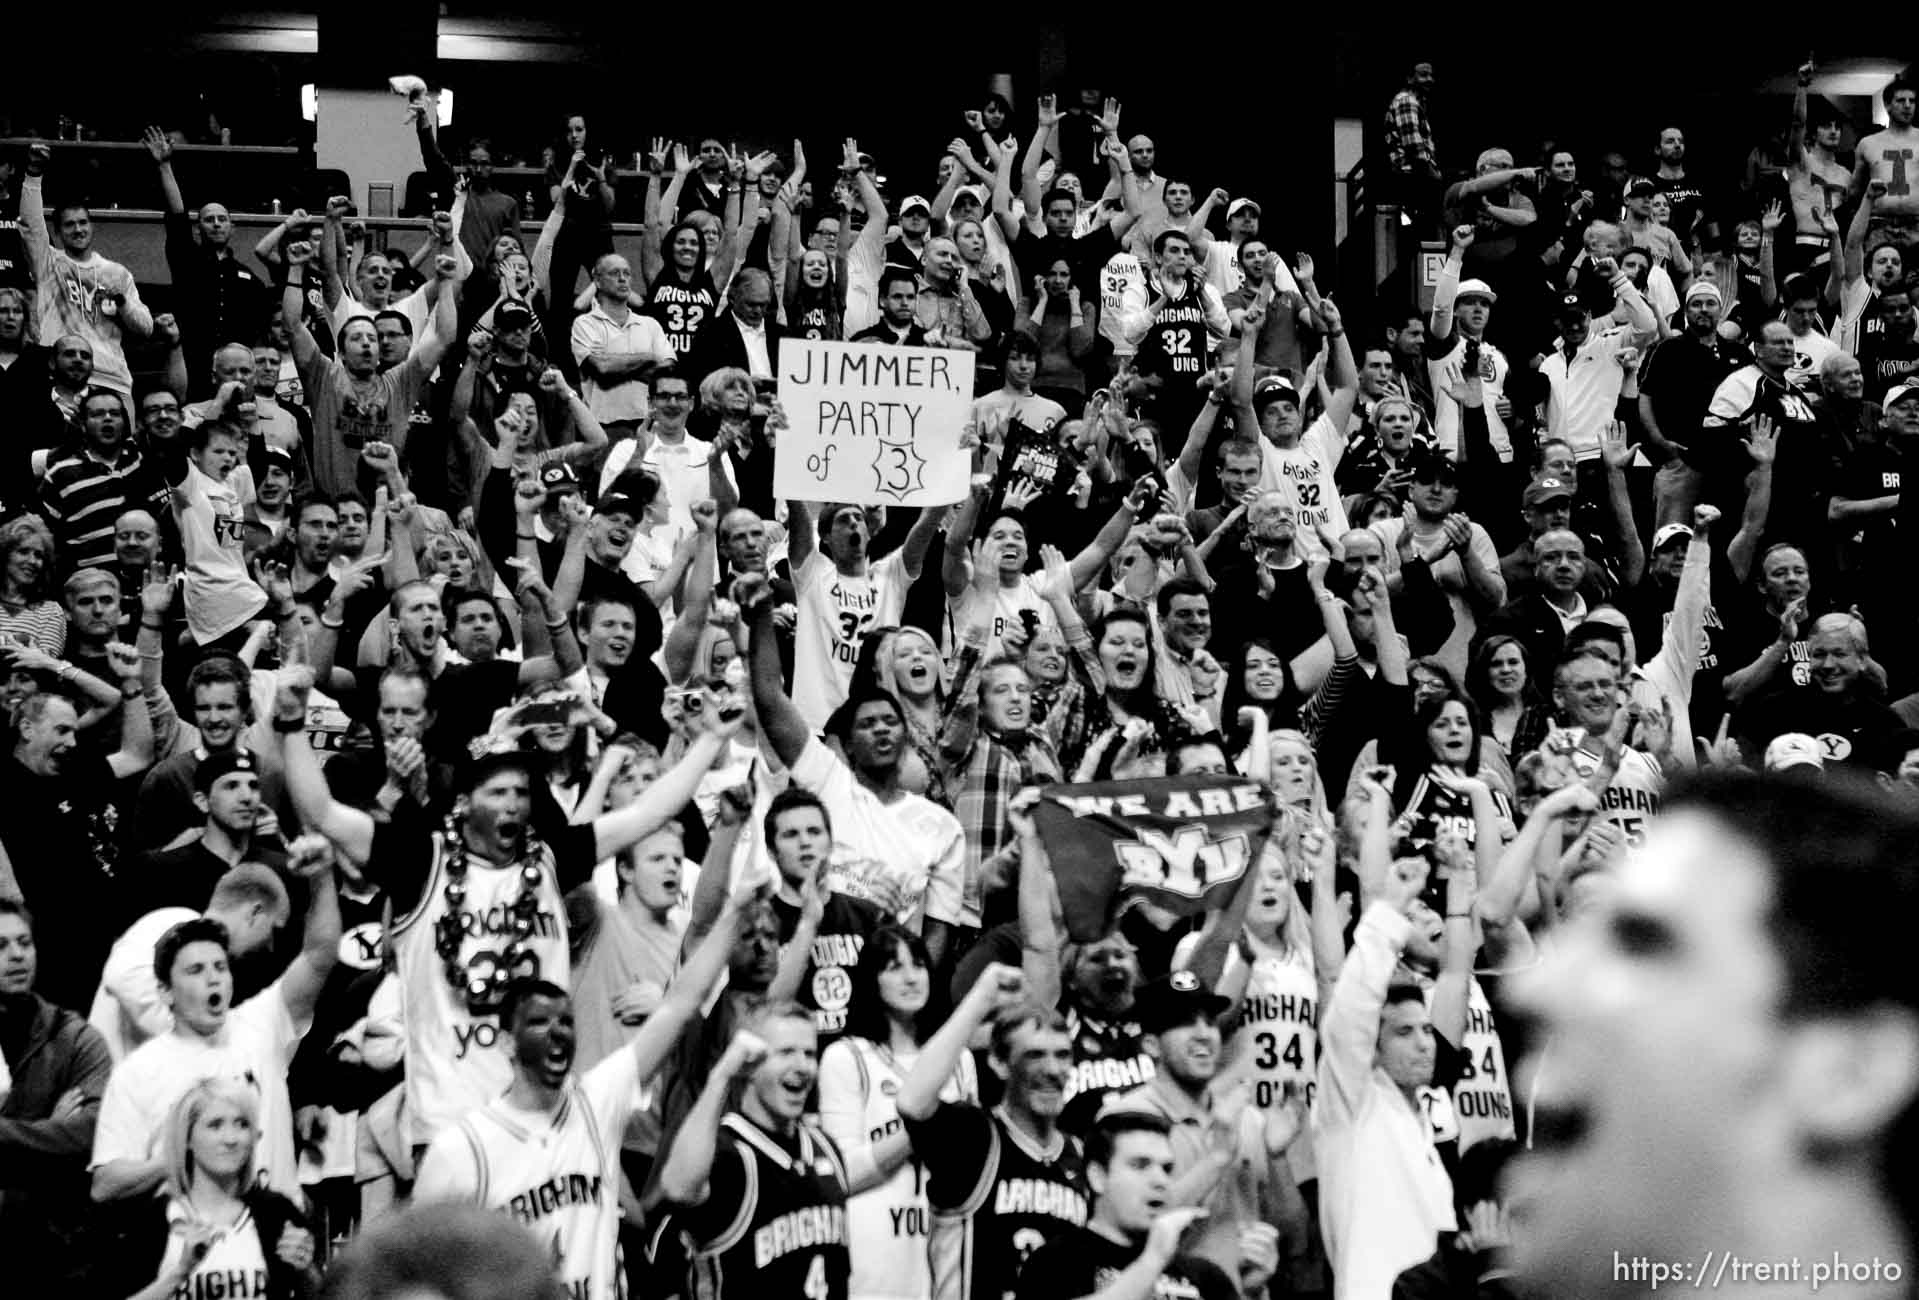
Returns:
<point x="1687" y="201"/>
<point x="464" y="698"/>
<point x="1085" y="255"/>
<point x="1887" y="361"/>
<point x="844" y="929"/>
<point x="1680" y="376"/>
<point x="1082" y="1262"/>
<point x="1862" y="472"/>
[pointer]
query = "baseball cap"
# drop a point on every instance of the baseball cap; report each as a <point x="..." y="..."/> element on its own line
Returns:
<point x="1669" y="532"/>
<point x="1475" y="288"/>
<point x="215" y="766"/>
<point x="617" y="503"/>
<point x="1794" y="749"/>
<point x="1570" y="304"/>
<point x="512" y="316"/>
<point x="1434" y="466"/>
<point x="559" y="478"/>
<point x="1175" y="1000"/>
<point x="279" y="458"/>
<point x="1542" y="490"/>
<point x="1705" y="289"/>
<point x="978" y="193"/>
<point x="912" y="201"/>
<point x="1899" y="393"/>
<point x="1272" y="388"/>
<point x="1641" y="189"/>
<point x="1233" y="208"/>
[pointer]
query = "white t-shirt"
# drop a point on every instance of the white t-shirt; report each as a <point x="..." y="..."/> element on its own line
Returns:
<point x="220" y="596"/>
<point x="997" y="408"/>
<point x="414" y="307"/>
<point x="835" y="614"/>
<point x="1007" y="604"/>
<point x="1809" y="352"/>
<point x="912" y="842"/>
<point x="1304" y="472"/>
<point x="557" y="1174"/>
<point x="254" y="1047"/>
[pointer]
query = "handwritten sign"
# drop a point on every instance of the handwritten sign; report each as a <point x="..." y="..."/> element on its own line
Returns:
<point x="872" y="424"/>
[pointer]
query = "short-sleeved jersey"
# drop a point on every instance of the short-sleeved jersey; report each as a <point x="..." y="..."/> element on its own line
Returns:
<point x="1304" y="473"/>
<point x="558" y="1174"/>
<point x="1278" y="1037"/>
<point x="1477" y="1101"/>
<point x="1108" y="1056"/>
<point x="1175" y="345"/>
<point x="682" y="310"/>
<point x="774" y="1221"/>
<point x="836" y="611"/>
<point x="997" y="1196"/>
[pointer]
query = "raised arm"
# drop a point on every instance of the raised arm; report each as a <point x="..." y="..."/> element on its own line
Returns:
<point x="998" y="986"/>
<point x="299" y="256"/>
<point x="1762" y="441"/>
<point x="136" y="724"/>
<point x="1047" y="106"/>
<point x="349" y="829"/>
<point x="1087" y="564"/>
<point x="1446" y="289"/>
<point x="659" y="803"/>
<point x="688" y="1162"/>
<point x="779" y="718"/>
<point x="311" y="857"/>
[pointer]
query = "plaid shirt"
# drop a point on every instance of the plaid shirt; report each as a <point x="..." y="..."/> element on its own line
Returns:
<point x="1409" y="136"/>
<point x="988" y="771"/>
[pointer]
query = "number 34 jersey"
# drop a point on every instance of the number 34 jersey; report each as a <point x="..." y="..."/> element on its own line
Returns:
<point x="1304" y="474"/>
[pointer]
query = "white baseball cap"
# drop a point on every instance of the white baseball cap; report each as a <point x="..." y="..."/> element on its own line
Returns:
<point x="1476" y="289"/>
<point x="1794" y="749"/>
<point x="1899" y="393"/>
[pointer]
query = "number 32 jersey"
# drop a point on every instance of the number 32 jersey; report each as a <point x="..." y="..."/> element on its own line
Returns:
<point x="835" y="614"/>
<point x="1304" y="474"/>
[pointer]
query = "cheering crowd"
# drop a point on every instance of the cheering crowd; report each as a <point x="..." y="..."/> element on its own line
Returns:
<point x="443" y="772"/>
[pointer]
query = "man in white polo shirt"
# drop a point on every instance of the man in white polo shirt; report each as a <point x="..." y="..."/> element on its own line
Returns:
<point x="617" y="348"/>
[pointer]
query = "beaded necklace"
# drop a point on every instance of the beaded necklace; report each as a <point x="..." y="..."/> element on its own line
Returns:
<point x="483" y="978"/>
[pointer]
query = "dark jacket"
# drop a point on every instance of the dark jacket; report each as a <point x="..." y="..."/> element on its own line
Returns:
<point x="1533" y="621"/>
<point x="45" y="1200"/>
<point x="719" y="345"/>
<point x="144" y="1243"/>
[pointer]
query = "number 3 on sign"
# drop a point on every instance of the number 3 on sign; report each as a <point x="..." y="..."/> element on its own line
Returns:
<point x="897" y="469"/>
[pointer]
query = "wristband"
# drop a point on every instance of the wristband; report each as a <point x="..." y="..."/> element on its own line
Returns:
<point x="335" y="623"/>
<point x="1335" y="334"/>
<point x="287" y="726"/>
<point x="153" y="627"/>
<point x="131" y="689"/>
<point x="1459" y="916"/>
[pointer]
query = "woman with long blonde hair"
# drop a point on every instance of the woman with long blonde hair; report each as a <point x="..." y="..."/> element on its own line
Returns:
<point x="214" y="1220"/>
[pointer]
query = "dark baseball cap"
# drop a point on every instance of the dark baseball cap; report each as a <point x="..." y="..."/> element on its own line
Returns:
<point x="1175" y="1000"/>
<point x="559" y="478"/>
<point x="215" y="766"/>
<point x="512" y="316"/>
<point x="1641" y="189"/>
<point x="618" y="503"/>
<point x="1542" y="490"/>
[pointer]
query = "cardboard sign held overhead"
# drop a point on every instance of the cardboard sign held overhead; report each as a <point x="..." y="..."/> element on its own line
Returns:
<point x="872" y="424"/>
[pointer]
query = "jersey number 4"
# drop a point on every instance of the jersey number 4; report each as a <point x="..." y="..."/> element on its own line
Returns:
<point x="815" y="1286"/>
